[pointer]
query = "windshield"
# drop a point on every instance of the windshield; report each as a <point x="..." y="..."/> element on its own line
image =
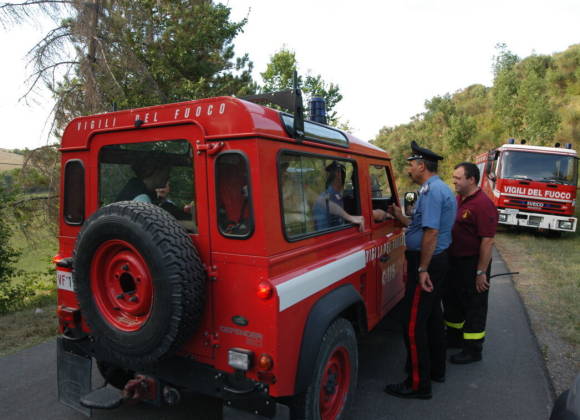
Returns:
<point x="544" y="167"/>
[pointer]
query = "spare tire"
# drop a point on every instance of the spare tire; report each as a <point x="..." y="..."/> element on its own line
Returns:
<point x="139" y="281"/>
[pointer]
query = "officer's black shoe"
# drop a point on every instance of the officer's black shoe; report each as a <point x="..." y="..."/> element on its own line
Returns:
<point x="465" y="357"/>
<point x="403" y="390"/>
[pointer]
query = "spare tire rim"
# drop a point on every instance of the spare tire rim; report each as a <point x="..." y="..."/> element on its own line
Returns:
<point x="122" y="285"/>
<point x="335" y="384"/>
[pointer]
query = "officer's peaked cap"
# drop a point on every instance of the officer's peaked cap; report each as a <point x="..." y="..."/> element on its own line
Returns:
<point x="422" y="153"/>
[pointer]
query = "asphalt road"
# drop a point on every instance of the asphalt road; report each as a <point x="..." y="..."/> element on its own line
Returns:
<point x="509" y="383"/>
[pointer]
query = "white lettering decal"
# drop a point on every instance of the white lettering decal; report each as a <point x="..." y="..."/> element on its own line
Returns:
<point x="187" y="112"/>
<point x="146" y="120"/>
<point x="222" y="108"/>
<point x="155" y="116"/>
<point x="176" y="114"/>
<point x="198" y="111"/>
<point x="210" y="110"/>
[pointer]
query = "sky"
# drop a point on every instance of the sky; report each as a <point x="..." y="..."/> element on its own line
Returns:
<point x="388" y="57"/>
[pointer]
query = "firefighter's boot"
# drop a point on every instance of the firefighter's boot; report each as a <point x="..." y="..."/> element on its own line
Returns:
<point x="471" y="353"/>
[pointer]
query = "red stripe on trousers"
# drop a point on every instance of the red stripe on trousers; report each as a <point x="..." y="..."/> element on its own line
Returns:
<point x="412" y="339"/>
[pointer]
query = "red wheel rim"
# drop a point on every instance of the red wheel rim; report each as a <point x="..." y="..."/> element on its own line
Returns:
<point x="122" y="285"/>
<point x="335" y="384"/>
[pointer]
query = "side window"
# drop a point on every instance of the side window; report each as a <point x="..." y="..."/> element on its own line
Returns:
<point x="481" y="167"/>
<point x="74" y="192"/>
<point x="234" y="201"/>
<point x="381" y="189"/>
<point x="157" y="172"/>
<point x="317" y="194"/>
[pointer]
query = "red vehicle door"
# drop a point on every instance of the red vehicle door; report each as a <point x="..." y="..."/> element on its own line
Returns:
<point x="114" y="162"/>
<point x="387" y="246"/>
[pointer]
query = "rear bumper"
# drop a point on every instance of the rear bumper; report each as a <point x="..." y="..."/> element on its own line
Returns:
<point x="237" y="392"/>
<point x="513" y="217"/>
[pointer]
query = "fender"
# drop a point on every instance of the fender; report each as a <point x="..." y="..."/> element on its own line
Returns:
<point x="327" y="309"/>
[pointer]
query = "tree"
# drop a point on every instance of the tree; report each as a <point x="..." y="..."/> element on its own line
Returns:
<point x="7" y="254"/>
<point x="505" y="91"/>
<point x="540" y="121"/>
<point x="279" y="76"/>
<point x="130" y="54"/>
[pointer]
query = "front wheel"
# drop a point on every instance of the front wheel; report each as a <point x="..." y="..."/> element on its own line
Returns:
<point x="334" y="382"/>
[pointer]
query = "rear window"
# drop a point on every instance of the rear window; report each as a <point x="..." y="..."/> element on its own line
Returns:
<point x="233" y="194"/>
<point x="316" y="193"/>
<point x="157" y="172"/>
<point x="74" y="192"/>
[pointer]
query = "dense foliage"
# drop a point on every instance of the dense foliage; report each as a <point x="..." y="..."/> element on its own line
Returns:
<point x="279" y="76"/>
<point x="536" y="98"/>
<point x="125" y="54"/>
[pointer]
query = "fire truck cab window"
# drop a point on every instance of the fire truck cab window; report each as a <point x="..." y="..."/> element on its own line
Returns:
<point x="234" y="204"/>
<point x="554" y="168"/>
<point x="316" y="192"/>
<point x="381" y="190"/>
<point x="159" y="172"/>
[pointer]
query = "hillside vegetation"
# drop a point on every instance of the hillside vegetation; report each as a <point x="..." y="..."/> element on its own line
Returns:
<point x="536" y="98"/>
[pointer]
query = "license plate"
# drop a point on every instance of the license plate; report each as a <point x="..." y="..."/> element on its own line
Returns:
<point x="64" y="280"/>
<point x="511" y="211"/>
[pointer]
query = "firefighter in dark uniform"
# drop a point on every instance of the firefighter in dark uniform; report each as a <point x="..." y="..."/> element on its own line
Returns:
<point x="466" y="294"/>
<point x="427" y="237"/>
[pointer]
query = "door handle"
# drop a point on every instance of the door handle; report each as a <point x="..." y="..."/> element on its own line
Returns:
<point x="384" y="258"/>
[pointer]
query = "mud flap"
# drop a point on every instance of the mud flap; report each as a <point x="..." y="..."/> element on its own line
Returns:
<point x="73" y="377"/>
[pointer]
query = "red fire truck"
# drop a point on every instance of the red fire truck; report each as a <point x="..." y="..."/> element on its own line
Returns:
<point x="200" y="249"/>
<point x="532" y="186"/>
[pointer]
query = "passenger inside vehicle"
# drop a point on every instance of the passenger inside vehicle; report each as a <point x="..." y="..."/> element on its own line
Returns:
<point x="328" y="209"/>
<point x="150" y="174"/>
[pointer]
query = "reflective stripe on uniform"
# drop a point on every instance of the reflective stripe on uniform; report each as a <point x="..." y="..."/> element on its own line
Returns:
<point x="456" y="325"/>
<point x="473" y="336"/>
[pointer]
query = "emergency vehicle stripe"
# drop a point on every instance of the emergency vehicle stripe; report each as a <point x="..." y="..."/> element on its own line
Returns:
<point x="473" y="336"/>
<point x="536" y="198"/>
<point x="413" y="339"/>
<point x="299" y="288"/>
<point x="456" y="325"/>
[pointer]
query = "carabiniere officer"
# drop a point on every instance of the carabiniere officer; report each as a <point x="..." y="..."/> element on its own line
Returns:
<point x="428" y="236"/>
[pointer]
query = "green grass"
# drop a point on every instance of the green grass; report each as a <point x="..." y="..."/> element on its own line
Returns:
<point x="32" y="319"/>
<point x="549" y="278"/>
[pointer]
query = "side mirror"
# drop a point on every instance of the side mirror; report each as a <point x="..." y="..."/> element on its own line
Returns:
<point x="410" y="199"/>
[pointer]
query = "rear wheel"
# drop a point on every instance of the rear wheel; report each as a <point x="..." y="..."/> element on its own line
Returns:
<point x="332" y="389"/>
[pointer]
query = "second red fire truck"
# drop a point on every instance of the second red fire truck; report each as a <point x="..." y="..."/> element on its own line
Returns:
<point x="532" y="186"/>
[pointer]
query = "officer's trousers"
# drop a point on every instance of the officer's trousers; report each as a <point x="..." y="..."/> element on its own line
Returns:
<point x="464" y="307"/>
<point x="424" y="326"/>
